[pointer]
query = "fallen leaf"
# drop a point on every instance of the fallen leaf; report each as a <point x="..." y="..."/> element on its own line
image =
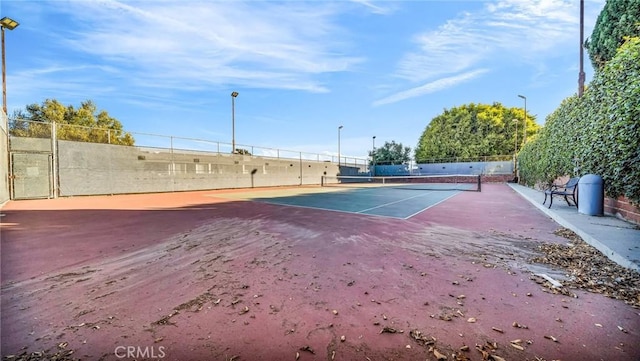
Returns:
<point x="422" y="338"/>
<point x="438" y="355"/>
<point x="308" y="349"/>
<point x="387" y="329"/>
<point x="485" y="354"/>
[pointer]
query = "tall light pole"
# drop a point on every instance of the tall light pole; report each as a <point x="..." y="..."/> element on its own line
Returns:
<point x="373" y="157"/>
<point x="233" y="121"/>
<point x="524" y="130"/>
<point x="340" y="127"/>
<point x="581" y="75"/>
<point x="515" y="146"/>
<point x="10" y="24"/>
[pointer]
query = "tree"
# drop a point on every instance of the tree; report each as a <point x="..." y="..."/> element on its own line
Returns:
<point x="85" y="123"/>
<point x="618" y="20"/>
<point x="474" y="131"/>
<point x="391" y="154"/>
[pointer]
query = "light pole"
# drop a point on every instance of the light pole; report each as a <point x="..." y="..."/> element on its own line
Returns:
<point x="233" y="121"/>
<point x="524" y="130"/>
<point x="340" y="127"/>
<point x="581" y="75"/>
<point x="515" y="146"/>
<point x="10" y="24"/>
<point x="373" y="157"/>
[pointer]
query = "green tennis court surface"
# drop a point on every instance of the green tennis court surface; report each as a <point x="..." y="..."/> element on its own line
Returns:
<point x="383" y="201"/>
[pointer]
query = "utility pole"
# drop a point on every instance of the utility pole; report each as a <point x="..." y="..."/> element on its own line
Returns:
<point x="581" y="76"/>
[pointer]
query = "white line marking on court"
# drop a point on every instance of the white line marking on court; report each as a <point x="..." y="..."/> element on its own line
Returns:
<point x="433" y="205"/>
<point x="324" y="209"/>
<point x="398" y="201"/>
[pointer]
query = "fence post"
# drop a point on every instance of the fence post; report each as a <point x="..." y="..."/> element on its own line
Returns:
<point x="54" y="160"/>
<point x="173" y="165"/>
<point x="9" y="160"/>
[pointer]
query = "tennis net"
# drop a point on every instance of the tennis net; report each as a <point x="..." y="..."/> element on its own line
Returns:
<point x="462" y="182"/>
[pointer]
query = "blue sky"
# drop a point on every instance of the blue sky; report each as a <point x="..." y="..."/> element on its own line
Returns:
<point x="302" y="68"/>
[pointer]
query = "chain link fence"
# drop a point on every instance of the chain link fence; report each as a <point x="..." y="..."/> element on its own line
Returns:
<point x="48" y="160"/>
<point x="33" y="129"/>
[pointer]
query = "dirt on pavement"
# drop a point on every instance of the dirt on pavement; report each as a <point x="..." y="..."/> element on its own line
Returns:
<point x="246" y="281"/>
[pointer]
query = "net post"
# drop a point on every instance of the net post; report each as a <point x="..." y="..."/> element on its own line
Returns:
<point x="479" y="183"/>
<point x="321" y="181"/>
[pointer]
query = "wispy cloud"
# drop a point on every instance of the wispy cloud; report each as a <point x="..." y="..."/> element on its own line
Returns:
<point x="513" y="31"/>
<point x="256" y="44"/>
<point x="376" y="7"/>
<point x="431" y="87"/>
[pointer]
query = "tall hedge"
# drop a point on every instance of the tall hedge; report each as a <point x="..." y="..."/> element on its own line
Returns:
<point x="596" y="134"/>
<point x="617" y="20"/>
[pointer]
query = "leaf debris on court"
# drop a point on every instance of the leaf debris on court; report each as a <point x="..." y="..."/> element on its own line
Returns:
<point x="590" y="270"/>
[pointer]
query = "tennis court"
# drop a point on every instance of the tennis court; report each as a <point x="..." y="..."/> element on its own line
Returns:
<point x="394" y="197"/>
<point x="395" y="203"/>
<point x="269" y="274"/>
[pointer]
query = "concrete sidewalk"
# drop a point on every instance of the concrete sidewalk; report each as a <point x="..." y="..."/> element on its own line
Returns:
<point x="617" y="239"/>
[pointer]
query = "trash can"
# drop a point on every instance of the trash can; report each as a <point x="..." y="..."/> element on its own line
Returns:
<point x="591" y="195"/>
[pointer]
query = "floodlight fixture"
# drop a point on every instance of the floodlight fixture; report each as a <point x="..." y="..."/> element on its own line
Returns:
<point x="8" y="23"/>
<point x="233" y="121"/>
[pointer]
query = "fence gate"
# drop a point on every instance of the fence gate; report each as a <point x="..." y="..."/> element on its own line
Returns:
<point x="31" y="175"/>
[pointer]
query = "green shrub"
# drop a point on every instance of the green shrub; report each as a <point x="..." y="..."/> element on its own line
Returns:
<point x="596" y="134"/>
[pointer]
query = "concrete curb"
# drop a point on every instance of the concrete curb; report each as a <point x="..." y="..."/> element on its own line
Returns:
<point x="600" y="246"/>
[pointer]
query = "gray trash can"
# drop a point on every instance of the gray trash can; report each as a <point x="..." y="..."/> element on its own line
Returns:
<point x="591" y="195"/>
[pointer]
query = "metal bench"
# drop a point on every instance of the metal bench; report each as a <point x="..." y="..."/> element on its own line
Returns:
<point x="566" y="190"/>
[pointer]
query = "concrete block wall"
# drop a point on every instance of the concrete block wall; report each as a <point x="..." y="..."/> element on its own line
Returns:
<point x="92" y="168"/>
<point x="4" y="159"/>
<point x="486" y="168"/>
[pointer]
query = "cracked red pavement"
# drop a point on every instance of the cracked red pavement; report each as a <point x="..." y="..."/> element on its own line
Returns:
<point x="190" y="276"/>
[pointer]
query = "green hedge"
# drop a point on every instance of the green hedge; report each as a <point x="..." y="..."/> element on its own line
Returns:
<point x="596" y="134"/>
